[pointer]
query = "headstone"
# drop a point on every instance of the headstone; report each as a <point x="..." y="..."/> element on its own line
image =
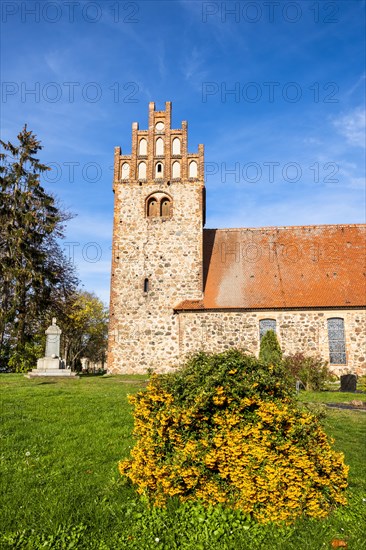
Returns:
<point x="53" y="336"/>
<point x="51" y="364"/>
<point x="348" y="382"/>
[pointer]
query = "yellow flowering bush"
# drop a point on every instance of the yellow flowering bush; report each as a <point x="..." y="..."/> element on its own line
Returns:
<point x="226" y="429"/>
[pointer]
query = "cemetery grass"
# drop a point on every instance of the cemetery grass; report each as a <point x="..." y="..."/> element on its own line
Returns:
<point x="60" y="444"/>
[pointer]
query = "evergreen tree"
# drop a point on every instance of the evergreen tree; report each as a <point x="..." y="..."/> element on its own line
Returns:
<point x="270" y="350"/>
<point x="34" y="272"/>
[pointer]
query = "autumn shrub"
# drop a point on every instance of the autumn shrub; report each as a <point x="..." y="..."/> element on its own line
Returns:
<point x="24" y="358"/>
<point x="270" y="349"/>
<point x="226" y="429"/>
<point x="313" y="371"/>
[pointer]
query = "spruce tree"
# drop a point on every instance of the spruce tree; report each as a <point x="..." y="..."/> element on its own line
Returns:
<point x="270" y="350"/>
<point x="33" y="267"/>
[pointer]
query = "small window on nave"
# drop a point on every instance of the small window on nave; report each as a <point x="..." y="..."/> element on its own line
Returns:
<point x="265" y="325"/>
<point x="337" y="342"/>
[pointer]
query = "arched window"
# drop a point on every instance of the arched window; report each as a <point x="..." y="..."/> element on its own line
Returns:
<point x="337" y="343"/>
<point x="192" y="169"/>
<point x="125" y="171"/>
<point x="159" y="170"/>
<point x="159" y="147"/>
<point x="143" y="147"/>
<point x="142" y="171"/>
<point x="266" y="325"/>
<point x="176" y="146"/>
<point x="176" y="169"/>
<point x="165" y="208"/>
<point x="152" y="207"/>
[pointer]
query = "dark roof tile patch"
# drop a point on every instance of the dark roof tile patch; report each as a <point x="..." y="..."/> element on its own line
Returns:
<point x="283" y="267"/>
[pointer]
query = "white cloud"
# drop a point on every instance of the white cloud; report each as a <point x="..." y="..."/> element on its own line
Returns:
<point x="352" y="126"/>
<point x="194" y="67"/>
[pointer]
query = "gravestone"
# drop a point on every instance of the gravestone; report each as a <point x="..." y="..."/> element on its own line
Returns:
<point x="51" y="364"/>
<point x="348" y="382"/>
<point x="53" y="337"/>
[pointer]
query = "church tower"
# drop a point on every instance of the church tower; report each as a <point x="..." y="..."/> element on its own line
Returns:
<point x="157" y="244"/>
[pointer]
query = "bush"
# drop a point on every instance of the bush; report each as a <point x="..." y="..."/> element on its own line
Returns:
<point x="361" y="383"/>
<point x="24" y="358"/>
<point x="226" y="429"/>
<point x="270" y="350"/>
<point x="312" y="371"/>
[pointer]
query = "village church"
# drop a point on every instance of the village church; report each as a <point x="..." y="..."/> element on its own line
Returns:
<point x="177" y="288"/>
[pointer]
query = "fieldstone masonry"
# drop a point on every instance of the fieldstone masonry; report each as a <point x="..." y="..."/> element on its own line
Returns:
<point x="159" y="214"/>
<point x="297" y="331"/>
<point x="157" y="259"/>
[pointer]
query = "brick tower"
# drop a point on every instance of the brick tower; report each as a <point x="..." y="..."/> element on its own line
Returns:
<point x="157" y="244"/>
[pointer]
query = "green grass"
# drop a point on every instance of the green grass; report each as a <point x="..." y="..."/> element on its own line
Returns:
<point x="60" y="444"/>
<point x="330" y="397"/>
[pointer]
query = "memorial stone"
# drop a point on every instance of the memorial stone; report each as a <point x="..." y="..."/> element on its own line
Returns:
<point x="53" y="337"/>
<point x="51" y="364"/>
<point x="348" y="382"/>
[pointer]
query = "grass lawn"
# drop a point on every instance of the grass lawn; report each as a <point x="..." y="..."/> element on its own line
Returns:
<point x="60" y="444"/>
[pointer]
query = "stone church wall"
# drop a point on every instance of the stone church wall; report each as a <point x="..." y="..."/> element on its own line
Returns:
<point x="297" y="331"/>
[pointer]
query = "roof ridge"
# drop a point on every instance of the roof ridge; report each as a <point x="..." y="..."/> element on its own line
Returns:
<point x="361" y="225"/>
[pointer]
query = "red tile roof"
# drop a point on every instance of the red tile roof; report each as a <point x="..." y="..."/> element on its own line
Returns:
<point x="283" y="267"/>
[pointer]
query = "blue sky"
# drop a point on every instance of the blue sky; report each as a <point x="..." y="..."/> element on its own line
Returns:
<point x="275" y="91"/>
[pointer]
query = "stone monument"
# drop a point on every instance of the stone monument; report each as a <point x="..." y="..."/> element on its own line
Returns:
<point x="51" y="364"/>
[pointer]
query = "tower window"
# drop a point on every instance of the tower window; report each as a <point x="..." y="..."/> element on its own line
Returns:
<point x="165" y="208"/>
<point x="337" y="344"/>
<point x="159" y="170"/>
<point x="152" y="208"/>
<point x="146" y="286"/>
<point x="159" y="206"/>
<point x="265" y="325"/>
